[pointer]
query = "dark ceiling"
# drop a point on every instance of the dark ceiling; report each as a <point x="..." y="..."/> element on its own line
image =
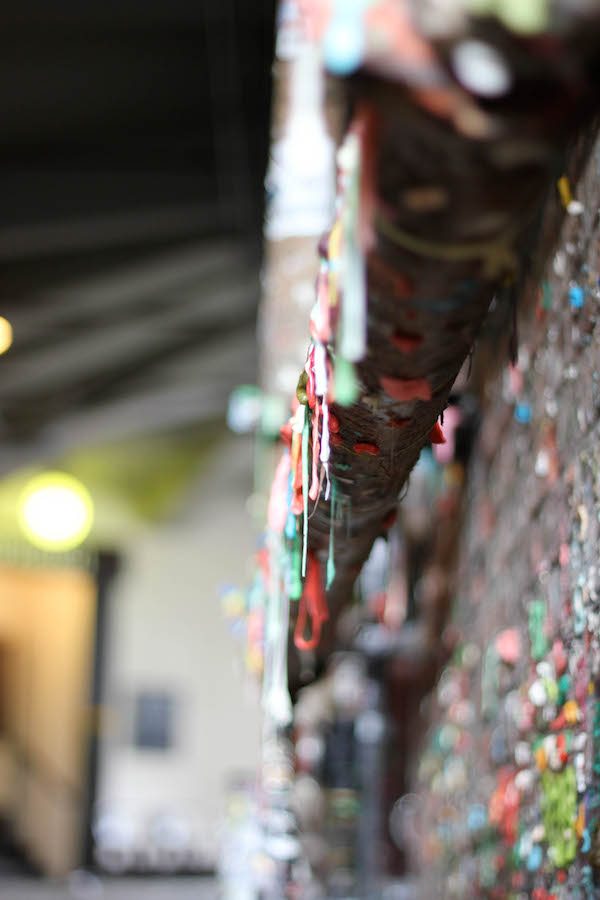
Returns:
<point x="132" y="152"/>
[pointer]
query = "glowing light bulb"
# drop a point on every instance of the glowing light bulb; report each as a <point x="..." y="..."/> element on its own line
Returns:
<point x="6" y="334"/>
<point x="56" y="511"/>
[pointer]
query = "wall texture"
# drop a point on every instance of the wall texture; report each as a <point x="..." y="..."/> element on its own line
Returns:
<point x="510" y="776"/>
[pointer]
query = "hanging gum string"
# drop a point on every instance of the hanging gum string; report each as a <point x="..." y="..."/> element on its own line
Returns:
<point x="352" y="325"/>
<point x="314" y="486"/>
<point x="346" y="383"/>
<point x="320" y="364"/>
<point x="290" y="524"/>
<point x="497" y="254"/>
<point x="296" y="505"/>
<point x="330" y="555"/>
<point x="355" y="236"/>
<point x="358" y="216"/>
<point x="294" y="586"/>
<point x="313" y="603"/>
<point x="335" y="237"/>
<point x="305" y="489"/>
<point x="319" y="327"/>
<point x="325" y="451"/>
<point x="295" y="451"/>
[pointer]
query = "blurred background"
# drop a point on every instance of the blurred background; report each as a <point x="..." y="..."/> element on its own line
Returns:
<point x="133" y="150"/>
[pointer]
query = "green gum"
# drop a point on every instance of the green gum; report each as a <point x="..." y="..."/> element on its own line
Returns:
<point x="330" y="556"/>
<point x="295" y="577"/>
<point x="346" y="382"/>
<point x="305" y="431"/>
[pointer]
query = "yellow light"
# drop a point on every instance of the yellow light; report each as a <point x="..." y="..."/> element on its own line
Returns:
<point x="56" y="511"/>
<point x="6" y="334"/>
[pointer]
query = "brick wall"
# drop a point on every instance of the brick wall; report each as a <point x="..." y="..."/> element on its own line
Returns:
<point x="510" y="788"/>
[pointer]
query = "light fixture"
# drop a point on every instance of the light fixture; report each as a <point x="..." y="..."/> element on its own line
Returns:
<point x="56" y="511"/>
<point x="6" y="334"/>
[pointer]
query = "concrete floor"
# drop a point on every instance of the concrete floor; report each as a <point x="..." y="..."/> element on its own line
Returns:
<point x="88" y="887"/>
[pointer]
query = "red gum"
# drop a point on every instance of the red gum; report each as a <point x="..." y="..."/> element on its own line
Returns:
<point x="286" y="434"/>
<point x="298" y="473"/>
<point x="367" y="449"/>
<point x="406" y="342"/>
<point x="561" y="746"/>
<point x="406" y="389"/>
<point x="436" y="435"/>
<point x="403" y="39"/>
<point x="312" y="602"/>
<point x="389" y="279"/>
<point x="397" y="423"/>
<point x="334" y="425"/>
<point x="296" y="452"/>
<point x="313" y="331"/>
<point x="297" y="504"/>
<point x="335" y="439"/>
<point x="389" y="520"/>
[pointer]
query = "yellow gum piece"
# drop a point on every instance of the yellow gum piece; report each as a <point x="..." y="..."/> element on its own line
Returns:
<point x="564" y="189"/>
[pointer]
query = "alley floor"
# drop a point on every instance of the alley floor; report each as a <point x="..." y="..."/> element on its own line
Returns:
<point x="86" y="887"/>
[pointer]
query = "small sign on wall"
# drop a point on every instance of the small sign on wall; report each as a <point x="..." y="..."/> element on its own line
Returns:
<point x="154" y="720"/>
